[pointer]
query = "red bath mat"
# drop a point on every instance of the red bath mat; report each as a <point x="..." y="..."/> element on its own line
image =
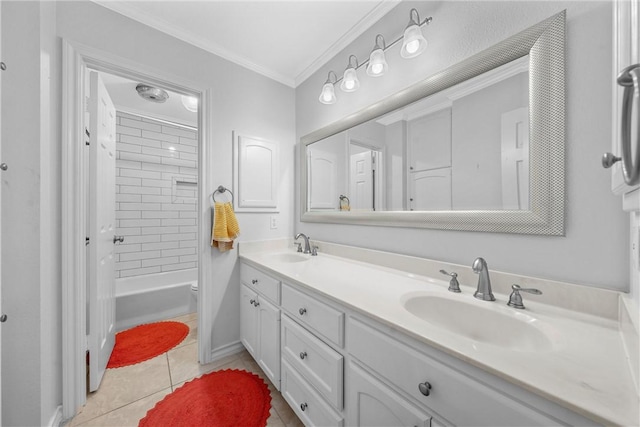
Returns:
<point x="228" y="398"/>
<point x="145" y="342"/>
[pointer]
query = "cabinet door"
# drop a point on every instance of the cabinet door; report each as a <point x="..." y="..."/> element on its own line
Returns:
<point x="268" y="324"/>
<point x="430" y="190"/>
<point x="249" y="320"/>
<point x="371" y="403"/>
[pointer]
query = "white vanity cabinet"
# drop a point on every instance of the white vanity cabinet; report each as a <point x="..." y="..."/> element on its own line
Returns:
<point x="260" y="320"/>
<point x="313" y="370"/>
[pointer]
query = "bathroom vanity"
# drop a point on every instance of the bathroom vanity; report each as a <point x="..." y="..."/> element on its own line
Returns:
<point x="357" y="337"/>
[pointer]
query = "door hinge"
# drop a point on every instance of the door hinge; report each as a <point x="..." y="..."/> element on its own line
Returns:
<point x="86" y="131"/>
<point x="86" y="241"/>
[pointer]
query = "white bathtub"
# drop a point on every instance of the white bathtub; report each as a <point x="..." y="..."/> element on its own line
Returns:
<point x="154" y="297"/>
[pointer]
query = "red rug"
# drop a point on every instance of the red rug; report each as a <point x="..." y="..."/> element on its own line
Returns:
<point x="229" y="398"/>
<point x="145" y="342"/>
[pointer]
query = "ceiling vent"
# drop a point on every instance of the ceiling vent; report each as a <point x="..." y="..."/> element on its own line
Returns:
<point x="151" y="93"/>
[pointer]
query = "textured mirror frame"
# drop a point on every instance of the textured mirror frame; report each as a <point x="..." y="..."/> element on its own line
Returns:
<point x="545" y="43"/>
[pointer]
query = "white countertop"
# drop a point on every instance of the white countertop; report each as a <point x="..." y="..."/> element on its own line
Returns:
<point x="585" y="369"/>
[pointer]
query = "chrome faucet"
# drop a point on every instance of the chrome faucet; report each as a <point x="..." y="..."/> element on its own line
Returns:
<point x="484" y="282"/>
<point x="307" y="248"/>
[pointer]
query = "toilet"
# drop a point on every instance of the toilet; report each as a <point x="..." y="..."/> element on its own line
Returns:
<point x="194" y="297"/>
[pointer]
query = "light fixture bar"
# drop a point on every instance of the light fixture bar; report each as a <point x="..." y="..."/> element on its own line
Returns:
<point x="426" y="21"/>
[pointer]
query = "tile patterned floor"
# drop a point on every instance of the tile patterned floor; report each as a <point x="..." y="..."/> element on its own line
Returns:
<point x="126" y="394"/>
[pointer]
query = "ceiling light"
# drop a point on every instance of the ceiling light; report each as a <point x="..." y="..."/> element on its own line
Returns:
<point x="413" y="43"/>
<point x="190" y="103"/>
<point x="328" y="94"/>
<point x="377" y="62"/>
<point x="350" y="82"/>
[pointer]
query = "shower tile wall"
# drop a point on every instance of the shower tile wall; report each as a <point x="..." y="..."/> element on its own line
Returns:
<point x="156" y="183"/>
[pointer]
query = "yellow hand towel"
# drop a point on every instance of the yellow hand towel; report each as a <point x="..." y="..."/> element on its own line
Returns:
<point x="225" y="226"/>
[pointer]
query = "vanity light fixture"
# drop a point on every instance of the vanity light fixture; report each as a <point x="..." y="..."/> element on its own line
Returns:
<point x="190" y="103"/>
<point x="413" y="43"/>
<point x="328" y="94"/>
<point x="377" y="62"/>
<point x="350" y="82"/>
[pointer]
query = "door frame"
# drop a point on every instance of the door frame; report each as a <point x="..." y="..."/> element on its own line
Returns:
<point x="76" y="59"/>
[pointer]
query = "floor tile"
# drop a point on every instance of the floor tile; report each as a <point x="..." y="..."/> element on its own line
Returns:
<point x="128" y="415"/>
<point x="121" y="386"/>
<point x="183" y="362"/>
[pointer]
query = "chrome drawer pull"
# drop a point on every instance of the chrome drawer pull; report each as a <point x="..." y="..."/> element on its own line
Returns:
<point x="303" y="406"/>
<point x="302" y="311"/>
<point x="425" y="388"/>
<point x="303" y="354"/>
<point x="254" y="281"/>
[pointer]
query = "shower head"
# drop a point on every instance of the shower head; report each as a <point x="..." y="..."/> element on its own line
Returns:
<point x="151" y="93"/>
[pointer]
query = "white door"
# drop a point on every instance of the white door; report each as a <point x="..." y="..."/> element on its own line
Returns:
<point x="361" y="181"/>
<point x="430" y="190"/>
<point x="322" y="180"/>
<point x="102" y="201"/>
<point x="515" y="159"/>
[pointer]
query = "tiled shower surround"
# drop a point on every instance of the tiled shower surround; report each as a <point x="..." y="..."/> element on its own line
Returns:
<point x="156" y="183"/>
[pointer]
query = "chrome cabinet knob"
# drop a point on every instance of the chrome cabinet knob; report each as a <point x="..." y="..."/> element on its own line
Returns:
<point x="252" y="301"/>
<point x="303" y="406"/>
<point x="4" y="166"/>
<point x="3" y="318"/>
<point x="254" y="281"/>
<point x="609" y="159"/>
<point x="303" y="354"/>
<point x="302" y="311"/>
<point x="425" y="388"/>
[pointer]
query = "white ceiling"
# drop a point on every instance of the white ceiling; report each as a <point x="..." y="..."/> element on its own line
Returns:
<point x="284" y="40"/>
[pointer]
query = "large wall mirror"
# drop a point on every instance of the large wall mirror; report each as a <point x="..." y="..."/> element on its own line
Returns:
<point x="478" y="146"/>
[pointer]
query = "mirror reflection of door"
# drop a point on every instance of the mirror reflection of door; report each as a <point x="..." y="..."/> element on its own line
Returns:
<point x="365" y="177"/>
<point x="322" y="179"/>
<point x="515" y="159"/>
<point x="429" y="148"/>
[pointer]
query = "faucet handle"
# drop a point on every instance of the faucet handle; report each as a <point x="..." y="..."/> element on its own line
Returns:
<point x="454" y="286"/>
<point x="314" y="251"/>
<point x="515" y="299"/>
<point x="299" y="246"/>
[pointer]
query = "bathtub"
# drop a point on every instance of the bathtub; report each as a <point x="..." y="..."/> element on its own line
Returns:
<point x="154" y="297"/>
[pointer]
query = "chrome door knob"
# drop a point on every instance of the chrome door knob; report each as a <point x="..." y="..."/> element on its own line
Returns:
<point x="4" y="166"/>
<point x="302" y="311"/>
<point x="254" y="281"/>
<point x="303" y="406"/>
<point x="303" y="354"/>
<point x="3" y="318"/>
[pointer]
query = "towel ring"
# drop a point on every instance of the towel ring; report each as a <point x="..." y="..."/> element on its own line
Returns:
<point x="221" y="190"/>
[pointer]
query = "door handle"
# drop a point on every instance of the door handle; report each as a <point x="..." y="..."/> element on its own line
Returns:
<point x="629" y="78"/>
<point x="118" y="239"/>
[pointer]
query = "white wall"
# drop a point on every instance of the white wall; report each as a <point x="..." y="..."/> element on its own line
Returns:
<point x="31" y="276"/>
<point x="593" y="252"/>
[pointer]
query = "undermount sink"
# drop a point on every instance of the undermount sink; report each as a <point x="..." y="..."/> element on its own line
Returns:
<point x="288" y="257"/>
<point x="502" y="328"/>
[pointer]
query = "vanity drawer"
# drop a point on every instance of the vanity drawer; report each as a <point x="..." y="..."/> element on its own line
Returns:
<point x="260" y="282"/>
<point x="306" y="402"/>
<point x="318" y="363"/>
<point x="406" y="368"/>
<point x="318" y="316"/>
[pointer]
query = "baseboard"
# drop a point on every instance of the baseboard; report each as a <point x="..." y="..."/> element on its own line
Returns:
<point x="226" y="350"/>
<point x="56" y="418"/>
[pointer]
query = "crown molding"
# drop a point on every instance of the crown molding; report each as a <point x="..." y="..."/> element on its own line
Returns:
<point x="128" y="10"/>
<point x="356" y="31"/>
